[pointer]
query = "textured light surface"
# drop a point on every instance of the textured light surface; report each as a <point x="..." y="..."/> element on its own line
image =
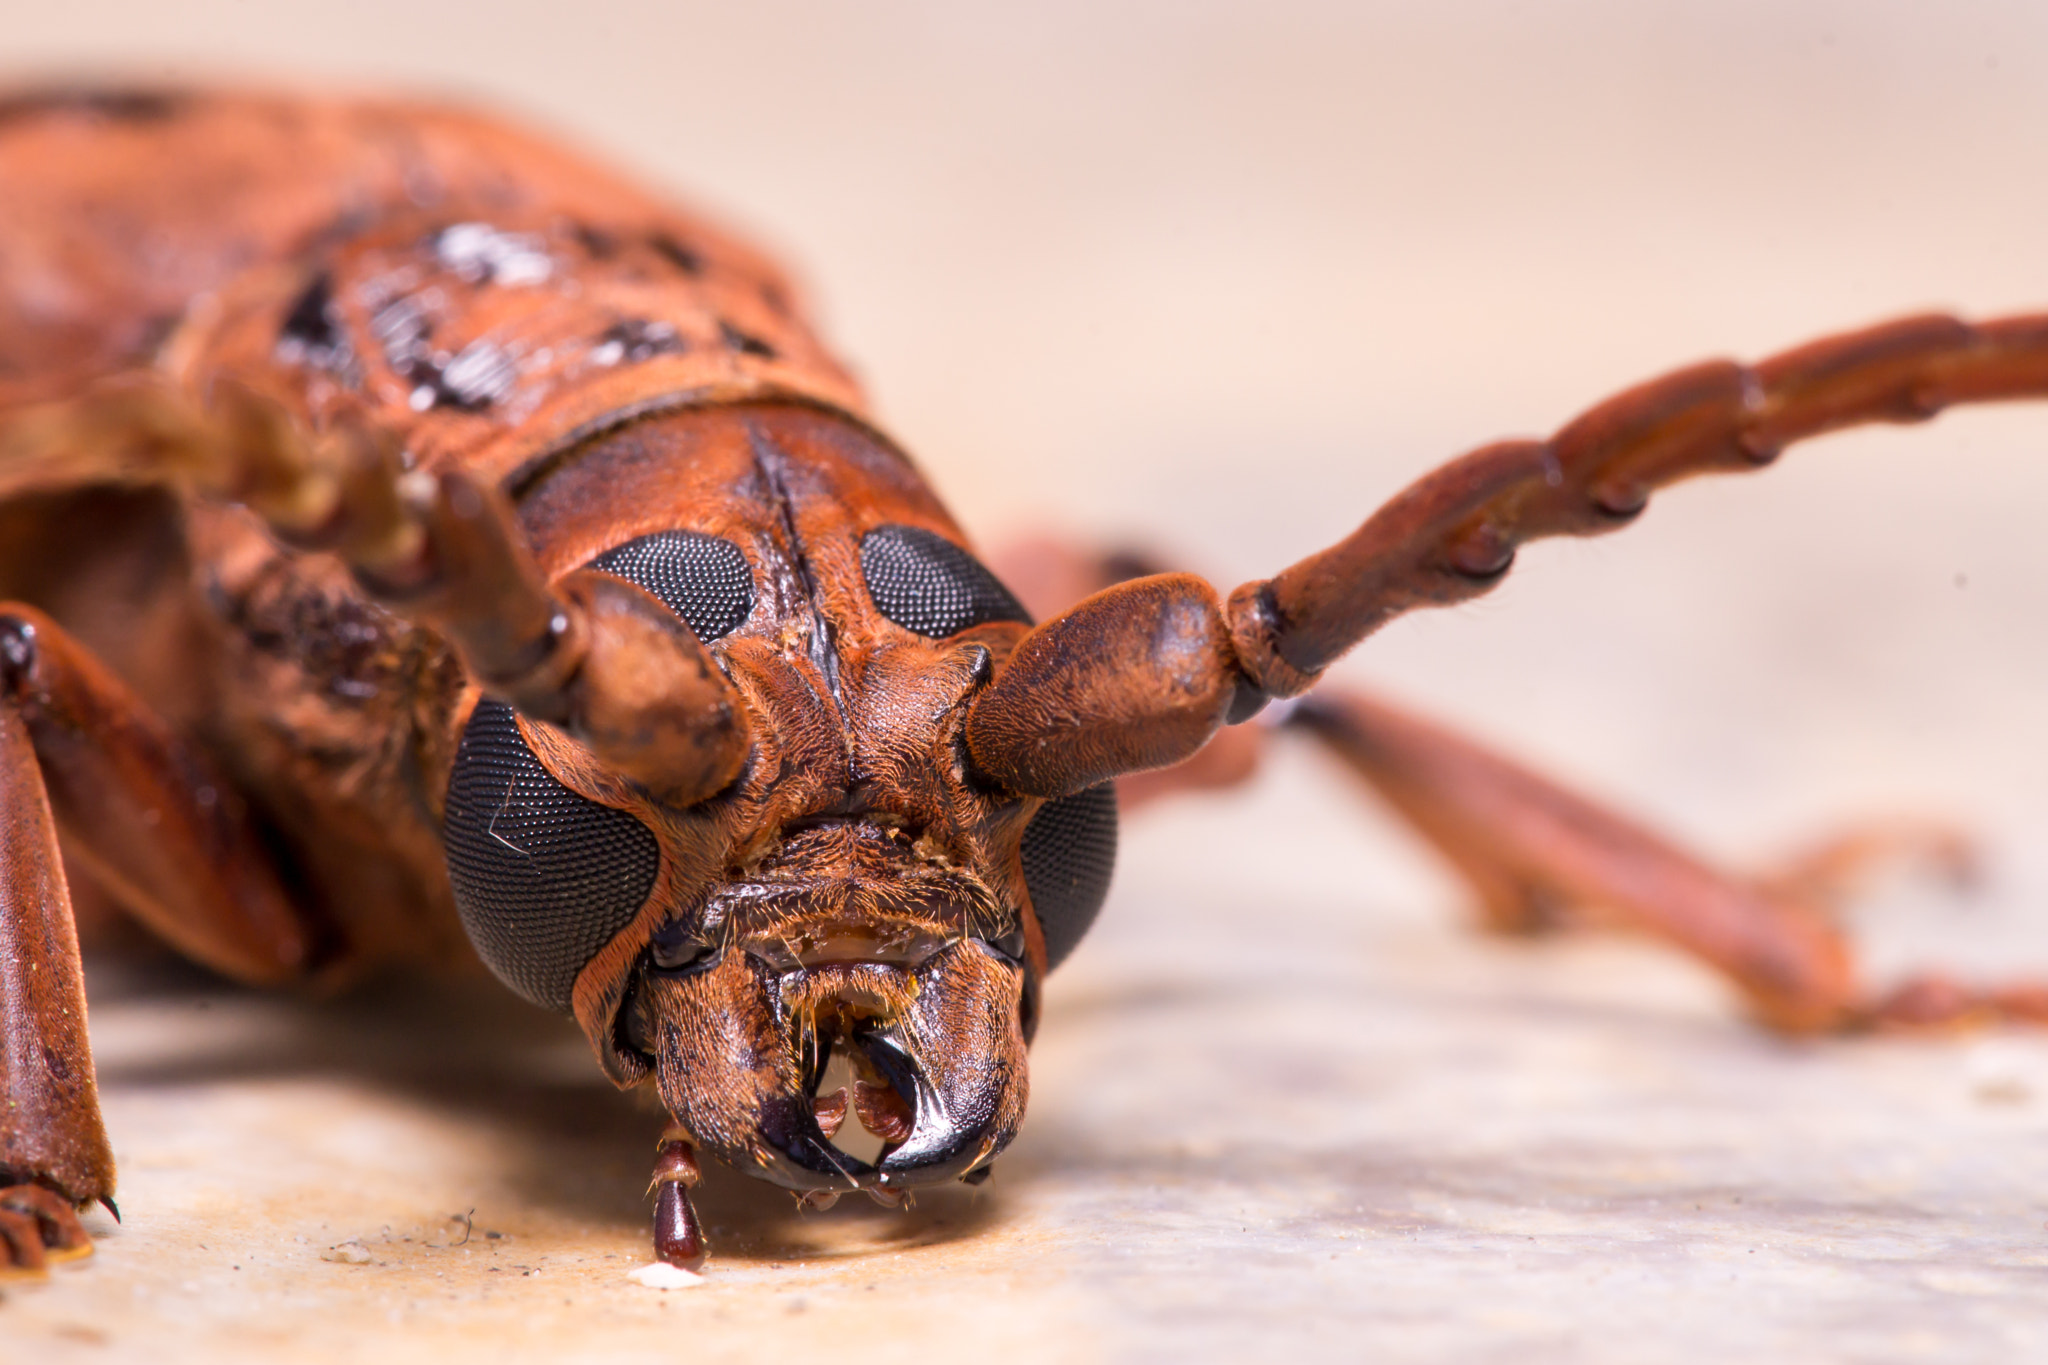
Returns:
<point x="1372" y="1132"/>
<point x="1222" y="277"/>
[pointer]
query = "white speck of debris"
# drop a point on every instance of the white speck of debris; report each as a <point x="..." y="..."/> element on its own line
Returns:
<point x="662" y="1275"/>
<point x="351" y="1252"/>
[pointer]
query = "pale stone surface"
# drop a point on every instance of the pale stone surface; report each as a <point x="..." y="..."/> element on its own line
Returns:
<point x="1224" y="277"/>
<point x="1365" y="1133"/>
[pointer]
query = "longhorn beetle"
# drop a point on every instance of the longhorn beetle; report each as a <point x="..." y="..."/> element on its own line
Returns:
<point x="418" y="544"/>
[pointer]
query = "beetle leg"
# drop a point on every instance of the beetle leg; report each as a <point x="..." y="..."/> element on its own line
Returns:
<point x="1937" y="1002"/>
<point x="51" y="1135"/>
<point x="169" y="839"/>
<point x="598" y="656"/>
<point x="1543" y="856"/>
<point x="1833" y="871"/>
<point x="38" y="1226"/>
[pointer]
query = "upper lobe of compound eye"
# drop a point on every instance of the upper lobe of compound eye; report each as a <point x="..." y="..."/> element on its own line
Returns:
<point x="928" y="585"/>
<point x="703" y="579"/>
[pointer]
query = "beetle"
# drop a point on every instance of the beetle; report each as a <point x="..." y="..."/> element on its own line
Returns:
<point x="418" y="544"/>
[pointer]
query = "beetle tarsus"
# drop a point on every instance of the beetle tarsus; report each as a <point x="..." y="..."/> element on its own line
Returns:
<point x="38" y="1226"/>
<point x="1936" y="1003"/>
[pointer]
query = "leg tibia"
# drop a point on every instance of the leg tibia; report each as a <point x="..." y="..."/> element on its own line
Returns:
<point x="50" y="1130"/>
<point x="167" y="838"/>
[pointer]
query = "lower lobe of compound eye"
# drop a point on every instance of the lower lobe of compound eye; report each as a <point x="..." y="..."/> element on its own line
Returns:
<point x="703" y="579"/>
<point x="543" y="877"/>
<point x="1069" y="855"/>
<point x="930" y="586"/>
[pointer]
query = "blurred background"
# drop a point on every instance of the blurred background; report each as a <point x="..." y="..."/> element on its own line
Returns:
<point x="1219" y="277"/>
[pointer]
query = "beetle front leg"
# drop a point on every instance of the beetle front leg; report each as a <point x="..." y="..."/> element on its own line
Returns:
<point x="168" y="838"/>
<point x="166" y="835"/>
<point x="54" y="1154"/>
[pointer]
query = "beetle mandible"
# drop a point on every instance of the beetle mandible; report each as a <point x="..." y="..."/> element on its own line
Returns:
<point x="418" y="545"/>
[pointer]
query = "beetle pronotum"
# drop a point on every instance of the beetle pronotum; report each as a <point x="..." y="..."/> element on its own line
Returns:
<point x="417" y="543"/>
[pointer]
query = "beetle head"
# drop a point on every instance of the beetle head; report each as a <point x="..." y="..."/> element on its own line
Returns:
<point x="858" y="891"/>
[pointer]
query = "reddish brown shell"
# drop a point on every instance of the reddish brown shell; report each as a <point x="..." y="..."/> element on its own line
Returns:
<point x="376" y="256"/>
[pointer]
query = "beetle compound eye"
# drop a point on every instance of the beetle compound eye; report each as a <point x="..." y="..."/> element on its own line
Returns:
<point x="543" y="877"/>
<point x="927" y="584"/>
<point x="1069" y="852"/>
<point x="703" y="579"/>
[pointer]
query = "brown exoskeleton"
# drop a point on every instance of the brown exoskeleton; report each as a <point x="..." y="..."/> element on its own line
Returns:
<point x="419" y="545"/>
